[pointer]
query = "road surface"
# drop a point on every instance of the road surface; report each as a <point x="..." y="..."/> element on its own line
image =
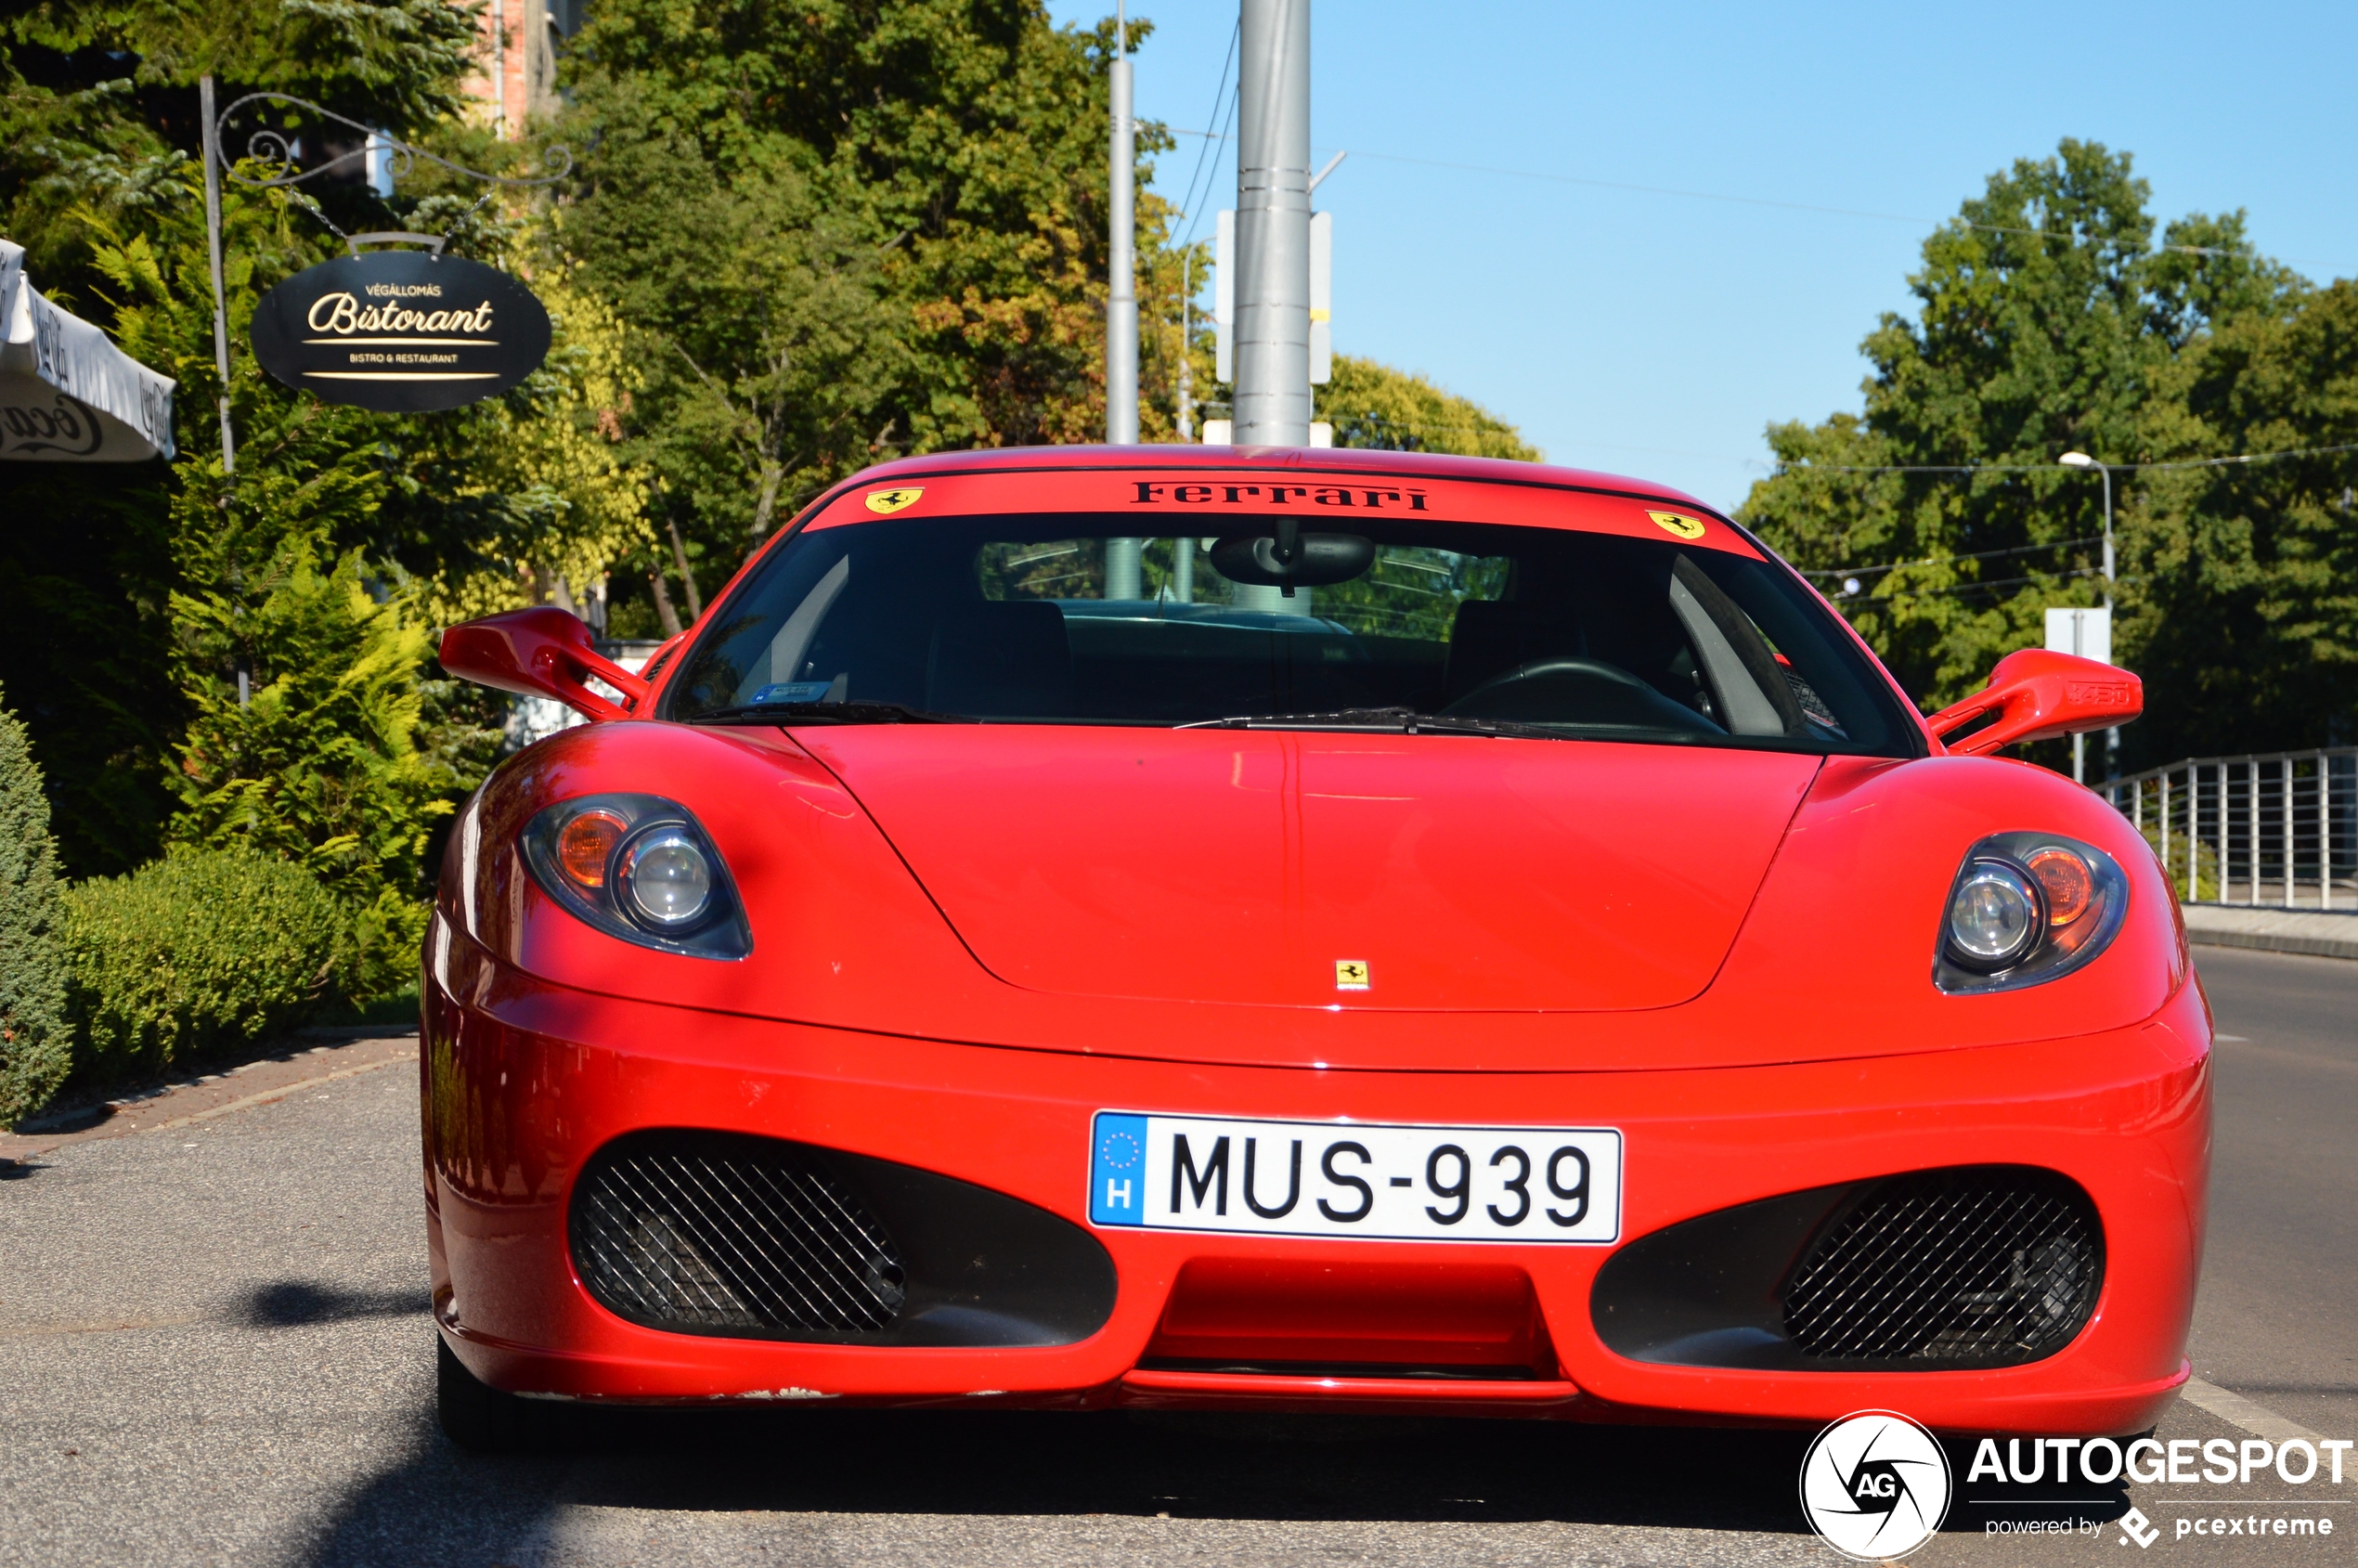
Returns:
<point x="214" y="1348"/>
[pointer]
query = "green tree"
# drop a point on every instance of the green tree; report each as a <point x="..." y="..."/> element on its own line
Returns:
<point x="2047" y="314"/>
<point x="313" y="573"/>
<point x="529" y="498"/>
<point x="767" y="341"/>
<point x="2244" y="612"/>
<point x="98" y="133"/>
<point x="34" y="1047"/>
<point x="98" y="102"/>
<point x="846" y="230"/>
<point x="1373" y="404"/>
<point x="301" y="682"/>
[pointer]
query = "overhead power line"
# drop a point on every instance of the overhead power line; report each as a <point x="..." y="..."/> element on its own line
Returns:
<point x="1974" y="587"/>
<point x="1553" y="178"/>
<point x="1947" y="560"/>
<point x="1501" y="428"/>
<point x="1220" y="95"/>
<point x="2042" y="468"/>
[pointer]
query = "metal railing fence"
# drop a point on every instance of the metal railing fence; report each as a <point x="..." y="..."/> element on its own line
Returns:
<point x="2276" y="830"/>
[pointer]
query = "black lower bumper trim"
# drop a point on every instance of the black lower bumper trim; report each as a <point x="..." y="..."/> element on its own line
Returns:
<point x="730" y="1234"/>
<point x="1962" y="1267"/>
<point x="1391" y="1370"/>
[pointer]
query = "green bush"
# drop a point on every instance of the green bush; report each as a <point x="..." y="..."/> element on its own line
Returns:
<point x="35" y="1044"/>
<point x="202" y="951"/>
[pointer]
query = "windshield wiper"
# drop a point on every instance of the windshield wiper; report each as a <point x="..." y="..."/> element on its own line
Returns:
<point x="1380" y="720"/>
<point x="826" y="713"/>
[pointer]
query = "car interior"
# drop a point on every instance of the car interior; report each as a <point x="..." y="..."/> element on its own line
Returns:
<point x="1009" y="619"/>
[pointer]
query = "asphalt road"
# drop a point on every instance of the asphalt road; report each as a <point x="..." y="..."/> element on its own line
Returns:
<point x="214" y="1348"/>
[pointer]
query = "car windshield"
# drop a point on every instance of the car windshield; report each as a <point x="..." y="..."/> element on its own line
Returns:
<point x="1063" y="619"/>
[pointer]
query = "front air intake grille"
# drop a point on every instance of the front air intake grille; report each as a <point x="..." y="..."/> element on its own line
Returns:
<point x="704" y="1233"/>
<point x="1979" y="1266"/>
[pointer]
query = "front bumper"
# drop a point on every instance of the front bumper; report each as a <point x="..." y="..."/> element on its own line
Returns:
<point x="524" y="1081"/>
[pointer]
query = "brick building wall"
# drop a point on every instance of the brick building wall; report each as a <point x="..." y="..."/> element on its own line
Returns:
<point x="516" y="78"/>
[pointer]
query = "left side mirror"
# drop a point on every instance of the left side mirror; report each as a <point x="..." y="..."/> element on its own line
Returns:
<point x="2038" y="695"/>
<point x="541" y="653"/>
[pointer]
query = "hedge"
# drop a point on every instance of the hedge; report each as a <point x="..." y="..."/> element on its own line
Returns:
<point x="202" y="951"/>
<point x="34" y="1042"/>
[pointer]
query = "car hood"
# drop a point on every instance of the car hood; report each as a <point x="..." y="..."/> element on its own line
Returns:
<point x="1263" y="866"/>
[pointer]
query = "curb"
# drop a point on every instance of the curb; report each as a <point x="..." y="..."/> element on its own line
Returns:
<point x="2313" y="947"/>
<point x="280" y="1092"/>
<point x="282" y="1048"/>
<point x="203" y="1096"/>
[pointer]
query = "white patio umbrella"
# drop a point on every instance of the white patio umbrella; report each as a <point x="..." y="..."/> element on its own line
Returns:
<point x="67" y="393"/>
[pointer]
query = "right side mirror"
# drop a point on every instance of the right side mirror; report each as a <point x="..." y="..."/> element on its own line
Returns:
<point x="543" y="652"/>
<point x="2038" y="695"/>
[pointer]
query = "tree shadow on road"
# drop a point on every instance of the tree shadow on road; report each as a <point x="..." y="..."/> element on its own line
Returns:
<point x="1135" y="1463"/>
<point x="294" y="1303"/>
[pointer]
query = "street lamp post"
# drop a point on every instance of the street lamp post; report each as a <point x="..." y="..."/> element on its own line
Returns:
<point x="1123" y="555"/>
<point x="1272" y="328"/>
<point x="2082" y="460"/>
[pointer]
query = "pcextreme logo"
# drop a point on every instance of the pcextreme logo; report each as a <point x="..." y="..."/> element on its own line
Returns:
<point x="1875" y="1486"/>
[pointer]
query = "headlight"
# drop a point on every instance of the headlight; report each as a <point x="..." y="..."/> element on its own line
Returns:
<point x="2027" y="908"/>
<point x="665" y="879"/>
<point x="1994" y="917"/>
<point x="637" y="867"/>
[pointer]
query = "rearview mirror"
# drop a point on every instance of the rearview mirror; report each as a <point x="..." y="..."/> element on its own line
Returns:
<point x="541" y="653"/>
<point x="1292" y="559"/>
<point x="2038" y="695"/>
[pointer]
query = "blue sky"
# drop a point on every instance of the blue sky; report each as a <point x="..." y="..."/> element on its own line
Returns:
<point x="1657" y="335"/>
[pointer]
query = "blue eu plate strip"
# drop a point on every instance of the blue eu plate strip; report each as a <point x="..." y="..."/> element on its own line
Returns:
<point x="1118" y="1170"/>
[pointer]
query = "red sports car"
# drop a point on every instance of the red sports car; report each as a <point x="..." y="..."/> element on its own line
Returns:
<point x="1187" y="926"/>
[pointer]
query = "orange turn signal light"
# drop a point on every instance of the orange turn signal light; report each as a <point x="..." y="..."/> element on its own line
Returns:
<point x="585" y="844"/>
<point x="2070" y="887"/>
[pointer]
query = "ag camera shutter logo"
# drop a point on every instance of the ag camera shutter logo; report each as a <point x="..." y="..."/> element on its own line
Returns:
<point x="1875" y="1486"/>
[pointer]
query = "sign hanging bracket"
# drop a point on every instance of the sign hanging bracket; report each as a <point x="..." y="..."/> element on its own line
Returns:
<point x="433" y="243"/>
<point x="273" y="150"/>
<point x="273" y="160"/>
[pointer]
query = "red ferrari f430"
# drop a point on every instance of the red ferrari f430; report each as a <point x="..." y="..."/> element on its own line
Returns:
<point x="1184" y="927"/>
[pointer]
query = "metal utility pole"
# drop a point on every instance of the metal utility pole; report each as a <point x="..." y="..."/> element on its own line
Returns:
<point x="212" y="240"/>
<point x="1272" y="225"/>
<point x="1186" y="335"/>
<point x="1121" y="300"/>
<point x="2112" y="736"/>
<point x="1182" y="588"/>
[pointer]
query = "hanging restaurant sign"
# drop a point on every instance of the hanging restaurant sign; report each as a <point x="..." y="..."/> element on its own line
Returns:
<point x="401" y="332"/>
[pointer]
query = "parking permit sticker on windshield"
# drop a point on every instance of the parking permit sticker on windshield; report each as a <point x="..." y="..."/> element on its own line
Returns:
<point x="1675" y="522"/>
<point x="889" y="501"/>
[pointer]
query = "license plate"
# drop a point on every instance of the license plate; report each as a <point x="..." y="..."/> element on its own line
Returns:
<point x="1397" y="1182"/>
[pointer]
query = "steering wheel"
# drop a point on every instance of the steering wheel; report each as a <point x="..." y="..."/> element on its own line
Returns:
<point x="1566" y="689"/>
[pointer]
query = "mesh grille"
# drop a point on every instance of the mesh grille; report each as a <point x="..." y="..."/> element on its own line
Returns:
<point x="744" y="1237"/>
<point x="1989" y="1266"/>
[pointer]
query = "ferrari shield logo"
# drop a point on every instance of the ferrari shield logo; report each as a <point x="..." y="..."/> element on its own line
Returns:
<point x="1351" y="974"/>
<point x="889" y="501"/>
<point x="1673" y="522"/>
